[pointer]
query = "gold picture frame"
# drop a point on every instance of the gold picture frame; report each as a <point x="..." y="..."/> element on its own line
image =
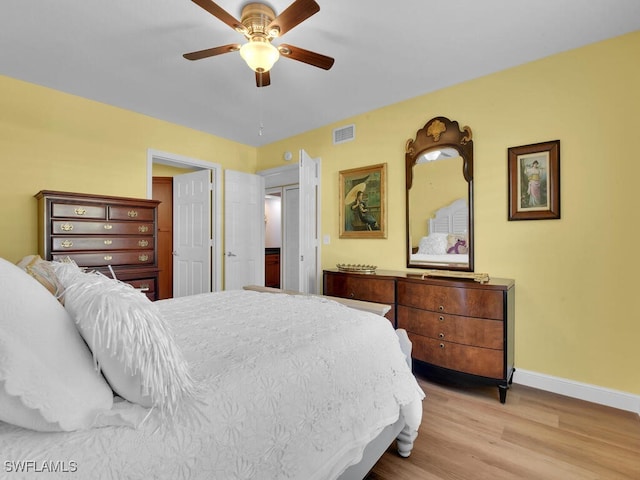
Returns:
<point x="363" y="202"/>
<point x="534" y="181"/>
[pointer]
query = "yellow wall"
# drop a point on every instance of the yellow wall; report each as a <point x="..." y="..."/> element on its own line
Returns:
<point x="576" y="278"/>
<point x="54" y="141"/>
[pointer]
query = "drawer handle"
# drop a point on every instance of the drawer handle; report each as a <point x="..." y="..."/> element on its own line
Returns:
<point x="352" y="295"/>
<point x="441" y="335"/>
<point x="132" y="213"/>
<point x="143" y="228"/>
<point x="143" y="258"/>
<point x="108" y="257"/>
<point x="80" y="211"/>
<point x="144" y="288"/>
<point x="67" y="227"/>
<point x="441" y="308"/>
<point x="67" y="244"/>
<point x="442" y="345"/>
<point x="143" y="243"/>
<point x="108" y="242"/>
<point x="108" y="226"/>
<point x="441" y="318"/>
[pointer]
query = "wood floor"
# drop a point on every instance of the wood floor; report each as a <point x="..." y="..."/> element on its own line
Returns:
<point x="467" y="434"/>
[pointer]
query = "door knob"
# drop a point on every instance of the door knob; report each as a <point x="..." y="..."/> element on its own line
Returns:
<point x="231" y="254"/>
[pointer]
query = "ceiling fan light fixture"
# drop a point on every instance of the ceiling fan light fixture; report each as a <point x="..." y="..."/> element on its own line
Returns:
<point x="259" y="54"/>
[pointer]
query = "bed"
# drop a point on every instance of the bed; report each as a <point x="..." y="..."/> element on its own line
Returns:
<point x="279" y="386"/>
<point x="446" y="241"/>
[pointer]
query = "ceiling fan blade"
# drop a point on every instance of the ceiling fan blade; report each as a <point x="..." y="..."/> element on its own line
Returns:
<point x="306" y="56"/>
<point x="293" y="15"/>
<point x="221" y="14"/>
<point x="263" y="79"/>
<point x="212" y="52"/>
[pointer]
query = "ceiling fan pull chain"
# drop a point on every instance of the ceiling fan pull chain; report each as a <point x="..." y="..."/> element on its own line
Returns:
<point x="261" y="124"/>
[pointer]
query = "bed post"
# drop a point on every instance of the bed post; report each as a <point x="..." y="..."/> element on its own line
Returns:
<point x="413" y="412"/>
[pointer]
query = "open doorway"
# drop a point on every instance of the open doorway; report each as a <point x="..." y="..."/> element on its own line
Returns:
<point x="179" y="162"/>
<point x="299" y="187"/>
<point x="272" y="237"/>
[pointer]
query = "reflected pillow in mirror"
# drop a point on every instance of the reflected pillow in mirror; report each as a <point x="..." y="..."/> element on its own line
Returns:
<point x="457" y="243"/>
<point x="434" y="244"/>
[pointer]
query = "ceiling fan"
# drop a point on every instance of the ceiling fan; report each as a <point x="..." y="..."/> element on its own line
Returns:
<point x="260" y="26"/>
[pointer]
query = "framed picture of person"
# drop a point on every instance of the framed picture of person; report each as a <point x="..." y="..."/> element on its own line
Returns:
<point x="363" y="202"/>
<point x="534" y="181"/>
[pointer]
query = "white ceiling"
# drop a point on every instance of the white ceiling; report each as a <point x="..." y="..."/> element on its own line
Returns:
<point x="128" y="53"/>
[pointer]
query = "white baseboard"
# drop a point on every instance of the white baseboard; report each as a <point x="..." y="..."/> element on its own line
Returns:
<point x="582" y="391"/>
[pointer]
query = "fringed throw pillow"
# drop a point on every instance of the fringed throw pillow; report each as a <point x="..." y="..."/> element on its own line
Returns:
<point x="130" y="340"/>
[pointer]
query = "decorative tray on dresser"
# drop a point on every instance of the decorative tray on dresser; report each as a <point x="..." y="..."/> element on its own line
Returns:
<point x="99" y="232"/>
<point x="461" y="329"/>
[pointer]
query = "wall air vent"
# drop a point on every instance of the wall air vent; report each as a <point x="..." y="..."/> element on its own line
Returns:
<point x="344" y="134"/>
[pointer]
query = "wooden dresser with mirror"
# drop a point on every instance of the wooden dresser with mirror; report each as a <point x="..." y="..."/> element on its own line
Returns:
<point x="462" y="330"/>
<point x="101" y="231"/>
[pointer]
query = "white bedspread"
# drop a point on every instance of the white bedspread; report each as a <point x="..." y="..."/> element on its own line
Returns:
<point x="294" y="387"/>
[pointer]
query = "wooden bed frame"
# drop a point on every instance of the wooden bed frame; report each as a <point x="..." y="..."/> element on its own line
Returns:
<point x="405" y="430"/>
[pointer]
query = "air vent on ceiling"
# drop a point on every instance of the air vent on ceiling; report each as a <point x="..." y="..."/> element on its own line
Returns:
<point x="344" y="134"/>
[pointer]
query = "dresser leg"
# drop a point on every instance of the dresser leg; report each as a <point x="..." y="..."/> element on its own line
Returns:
<point x="502" y="389"/>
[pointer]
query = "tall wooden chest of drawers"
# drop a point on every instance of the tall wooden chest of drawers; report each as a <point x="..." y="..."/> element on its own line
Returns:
<point x="461" y="326"/>
<point x="101" y="231"/>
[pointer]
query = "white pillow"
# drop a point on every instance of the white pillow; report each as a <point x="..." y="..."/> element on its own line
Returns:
<point x="130" y="341"/>
<point x="42" y="271"/>
<point x="47" y="379"/>
<point x="434" y="244"/>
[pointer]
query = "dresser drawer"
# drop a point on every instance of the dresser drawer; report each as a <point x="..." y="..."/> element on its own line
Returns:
<point x="140" y="214"/>
<point x="70" y="210"/>
<point x="472" y="302"/>
<point x="66" y="244"/>
<point x="142" y="257"/>
<point x="145" y="285"/>
<point x="452" y="328"/>
<point x="463" y="358"/>
<point x="69" y="227"/>
<point x="361" y="287"/>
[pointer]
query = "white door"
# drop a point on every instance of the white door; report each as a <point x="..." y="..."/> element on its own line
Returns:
<point x="192" y="233"/>
<point x="243" y="230"/>
<point x="291" y="238"/>
<point x="309" y="278"/>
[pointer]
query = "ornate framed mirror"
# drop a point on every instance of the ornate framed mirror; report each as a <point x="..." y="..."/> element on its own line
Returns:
<point x="439" y="177"/>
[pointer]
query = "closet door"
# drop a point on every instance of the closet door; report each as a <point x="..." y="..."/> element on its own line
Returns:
<point x="309" y="223"/>
<point x="291" y="243"/>
<point x="192" y="233"/>
<point x="163" y="192"/>
<point x="243" y="229"/>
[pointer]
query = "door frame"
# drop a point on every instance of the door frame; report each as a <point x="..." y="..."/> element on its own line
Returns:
<point x="172" y="159"/>
<point x="287" y="176"/>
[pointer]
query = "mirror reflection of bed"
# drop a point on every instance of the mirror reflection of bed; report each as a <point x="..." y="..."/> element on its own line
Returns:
<point x="444" y="237"/>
